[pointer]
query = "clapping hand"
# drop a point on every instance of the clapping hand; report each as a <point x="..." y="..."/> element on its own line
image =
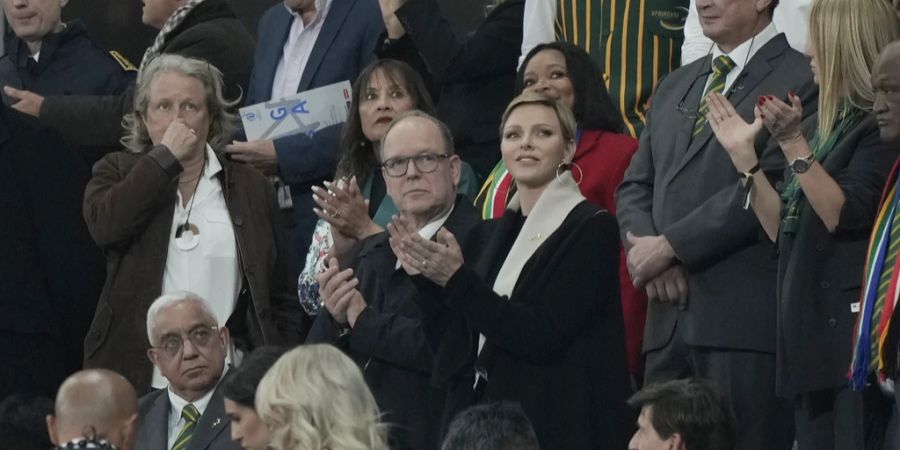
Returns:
<point x="342" y="205"/>
<point x="735" y="134"/>
<point x="437" y="261"/>
<point x="781" y="119"/>
<point x="337" y="288"/>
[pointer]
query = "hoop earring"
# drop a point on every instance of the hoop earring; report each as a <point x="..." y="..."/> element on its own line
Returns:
<point x="562" y="168"/>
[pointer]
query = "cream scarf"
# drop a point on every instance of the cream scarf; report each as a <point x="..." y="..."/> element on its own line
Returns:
<point x="553" y="206"/>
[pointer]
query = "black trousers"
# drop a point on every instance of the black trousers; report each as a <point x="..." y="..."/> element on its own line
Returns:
<point x="747" y="377"/>
<point x="830" y="419"/>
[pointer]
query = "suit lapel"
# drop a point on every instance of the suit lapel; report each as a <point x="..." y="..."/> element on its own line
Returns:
<point x="756" y="70"/>
<point x="692" y="87"/>
<point x="212" y="422"/>
<point x="155" y="427"/>
<point x="271" y="54"/>
<point x="334" y="20"/>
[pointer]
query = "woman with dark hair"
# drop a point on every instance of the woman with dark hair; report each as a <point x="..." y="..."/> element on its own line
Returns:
<point x="356" y="205"/>
<point x="567" y="73"/>
<point x="239" y="390"/>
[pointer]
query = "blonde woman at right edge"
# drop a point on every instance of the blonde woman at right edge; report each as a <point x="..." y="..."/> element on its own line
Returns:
<point x="820" y="220"/>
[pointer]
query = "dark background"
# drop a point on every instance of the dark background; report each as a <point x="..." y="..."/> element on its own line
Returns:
<point x="116" y="24"/>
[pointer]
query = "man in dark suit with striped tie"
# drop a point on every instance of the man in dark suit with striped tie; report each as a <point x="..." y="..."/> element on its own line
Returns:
<point x="189" y="348"/>
<point x="709" y="270"/>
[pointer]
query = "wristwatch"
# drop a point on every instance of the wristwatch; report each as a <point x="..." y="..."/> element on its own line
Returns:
<point x="802" y="164"/>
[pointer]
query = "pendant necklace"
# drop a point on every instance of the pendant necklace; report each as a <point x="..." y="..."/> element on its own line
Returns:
<point x="187" y="235"/>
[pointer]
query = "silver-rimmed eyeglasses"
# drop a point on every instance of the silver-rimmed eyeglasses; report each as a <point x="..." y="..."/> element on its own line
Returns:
<point x="200" y="335"/>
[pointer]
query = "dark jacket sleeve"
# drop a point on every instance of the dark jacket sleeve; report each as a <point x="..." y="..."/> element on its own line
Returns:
<point x="293" y="325"/>
<point x="538" y="323"/>
<point x="88" y="119"/>
<point x="303" y="159"/>
<point x="119" y="202"/>
<point x="862" y="180"/>
<point x="391" y="337"/>
<point x="493" y="49"/>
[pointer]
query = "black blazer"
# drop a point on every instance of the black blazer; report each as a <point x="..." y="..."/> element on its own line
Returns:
<point x="556" y="345"/>
<point x="820" y="272"/>
<point x="688" y="190"/>
<point x="50" y="269"/>
<point x="473" y="80"/>
<point x="388" y="340"/>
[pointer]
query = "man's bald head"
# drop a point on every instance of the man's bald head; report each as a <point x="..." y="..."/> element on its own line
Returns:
<point x="94" y="403"/>
<point x="886" y="83"/>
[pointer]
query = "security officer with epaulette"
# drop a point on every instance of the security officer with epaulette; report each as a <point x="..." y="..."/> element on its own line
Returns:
<point x="49" y="57"/>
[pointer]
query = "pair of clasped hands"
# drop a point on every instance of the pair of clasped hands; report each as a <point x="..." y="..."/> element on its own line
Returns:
<point x="342" y="205"/>
<point x="652" y="262"/>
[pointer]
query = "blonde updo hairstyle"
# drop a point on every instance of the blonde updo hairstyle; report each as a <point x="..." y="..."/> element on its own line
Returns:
<point x="315" y="398"/>
<point x="566" y="118"/>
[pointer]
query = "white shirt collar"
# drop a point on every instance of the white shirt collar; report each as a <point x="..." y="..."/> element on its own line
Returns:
<point x="743" y="53"/>
<point x="213" y="166"/>
<point x="321" y="8"/>
<point x="177" y="403"/>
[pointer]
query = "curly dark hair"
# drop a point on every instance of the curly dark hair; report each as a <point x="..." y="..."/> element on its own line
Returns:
<point x="358" y="155"/>
<point x="593" y="108"/>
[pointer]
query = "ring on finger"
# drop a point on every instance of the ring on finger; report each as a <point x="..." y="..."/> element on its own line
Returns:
<point x="424" y="263"/>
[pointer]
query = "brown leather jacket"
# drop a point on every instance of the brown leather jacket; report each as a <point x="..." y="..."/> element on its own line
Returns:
<point x="128" y="207"/>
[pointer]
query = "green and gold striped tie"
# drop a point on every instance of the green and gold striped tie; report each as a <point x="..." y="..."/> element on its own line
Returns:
<point x="721" y="66"/>
<point x="885" y="281"/>
<point x="191" y="415"/>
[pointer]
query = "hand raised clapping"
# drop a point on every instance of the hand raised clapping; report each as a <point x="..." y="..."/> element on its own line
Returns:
<point x="735" y="134"/>
<point x="437" y="261"/>
<point x="782" y="120"/>
<point x="337" y="288"/>
<point x="342" y="205"/>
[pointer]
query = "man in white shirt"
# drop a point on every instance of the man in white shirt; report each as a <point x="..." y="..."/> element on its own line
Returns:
<point x="189" y="349"/>
<point x="709" y="272"/>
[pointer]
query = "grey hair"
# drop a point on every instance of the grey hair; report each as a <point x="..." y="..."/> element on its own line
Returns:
<point x="222" y="122"/>
<point x="446" y="135"/>
<point x="171" y="299"/>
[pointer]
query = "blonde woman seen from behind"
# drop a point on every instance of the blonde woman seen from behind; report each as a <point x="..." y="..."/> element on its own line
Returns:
<point x="315" y="398"/>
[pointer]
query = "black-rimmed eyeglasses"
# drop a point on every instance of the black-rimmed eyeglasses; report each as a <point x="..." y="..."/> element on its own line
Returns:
<point x="199" y="336"/>
<point x="424" y="162"/>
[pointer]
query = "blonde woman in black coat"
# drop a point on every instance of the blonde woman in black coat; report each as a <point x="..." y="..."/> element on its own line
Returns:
<point x="536" y="318"/>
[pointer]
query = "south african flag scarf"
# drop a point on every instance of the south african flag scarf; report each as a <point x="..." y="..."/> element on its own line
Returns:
<point x="868" y="320"/>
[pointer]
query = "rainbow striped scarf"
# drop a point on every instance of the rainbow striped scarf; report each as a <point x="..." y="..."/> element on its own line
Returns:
<point x="877" y="254"/>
